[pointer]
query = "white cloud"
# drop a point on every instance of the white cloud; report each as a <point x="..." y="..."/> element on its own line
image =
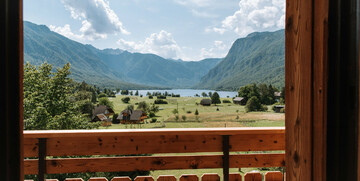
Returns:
<point x="162" y="44"/>
<point x="195" y="3"/>
<point x="97" y="18"/>
<point x="255" y="15"/>
<point x="65" y="30"/>
<point x="217" y="50"/>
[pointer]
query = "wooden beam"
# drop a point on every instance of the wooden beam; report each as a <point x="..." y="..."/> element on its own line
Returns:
<point x="145" y="163"/>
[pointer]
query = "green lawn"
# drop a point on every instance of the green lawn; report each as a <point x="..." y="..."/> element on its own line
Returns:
<point x="227" y="115"/>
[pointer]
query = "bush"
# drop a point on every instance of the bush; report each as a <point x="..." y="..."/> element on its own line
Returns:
<point x="125" y="99"/>
<point x="115" y="120"/>
<point x="188" y="112"/>
<point x="253" y="104"/>
<point x="151" y="114"/>
<point x="150" y="97"/>
<point x="196" y="112"/>
<point x="226" y="101"/>
<point x="161" y="97"/>
<point x="183" y="117"/>
<point x="153" y="120"/>
<point x="160" y="101"/>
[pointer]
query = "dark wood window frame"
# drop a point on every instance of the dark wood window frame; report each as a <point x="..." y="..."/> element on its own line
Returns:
<point x="322" y="89"/>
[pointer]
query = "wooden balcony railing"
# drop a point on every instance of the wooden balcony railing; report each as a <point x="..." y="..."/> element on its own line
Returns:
<point x="224" y="142"/>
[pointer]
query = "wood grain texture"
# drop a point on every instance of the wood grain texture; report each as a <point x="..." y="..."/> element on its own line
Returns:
<point x="166" y="178"/>
<point x="273" y="176"/>
<point x="31" y="147"/>
<point x="74" y="179"/>
<point x="320" y="68"/>
<point x="121" y="179"/>
<point x="210" y="177"/>
<point x="298" y="88"/>
<point x="150" y="132"/>
<point x="235" y="177"/>
<point x="144" y="178"/>
<point x="253" y="176"/>
<point x="188" y="177"/>
<point x="145" y="163"/>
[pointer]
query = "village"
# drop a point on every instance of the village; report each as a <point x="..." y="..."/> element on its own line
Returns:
<point x="184" y="112"/>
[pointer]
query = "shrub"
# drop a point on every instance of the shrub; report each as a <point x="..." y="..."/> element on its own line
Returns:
<point x="114" y="119"/>
<point x="125" y="99"/>
<point x="183" y="117"/>
<point x="151" y="114"/>
<point x="188" y="112"/>
<point x="160" y="101"/>
<point x="153" y="120"/>
<point x="150" y="97"/>
<point x="253" y="104"/>
<point x="161" y="97"/>
<point x="196" y="112"/>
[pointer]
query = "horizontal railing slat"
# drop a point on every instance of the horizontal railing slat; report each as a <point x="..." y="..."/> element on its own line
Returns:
<point x="121" y="145"/>
<point x="145" y="163"/>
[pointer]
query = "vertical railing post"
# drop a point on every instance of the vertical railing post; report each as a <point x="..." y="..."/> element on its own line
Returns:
<point x="225" y="157"/>
<point x="42" y="159"/>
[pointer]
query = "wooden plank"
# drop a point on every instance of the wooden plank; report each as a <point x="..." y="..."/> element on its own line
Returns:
<point x="210" y="177"/>
<point x="152" y="132"/>
<point x="31" y="147"/>
<point x="253" y="176"/>
<point x="74" y="179"/>
<point x="154" y="144"/>
<point x="320" y="89"/>
<point x="133" y="145"/>
<point x="145" y="163"/>
<point x="257" y="142"/>
<point x="166" y="178"/>
<point x="189" y="177"/>
<point x="98" y="179"/>
<point x="273" y="176"/>
<point x="298" y="88"/>
<point x="121" y="179"/>
<point x="235" y="177"/>
<point x="144" y="178"/>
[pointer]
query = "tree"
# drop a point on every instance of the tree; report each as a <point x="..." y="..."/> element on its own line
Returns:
<point x="254" y="104"/>
<point x="215" y="98"/>
<point x="196" y="112"/>
<point x="137" y="93"/>
<point x="49" y="102"/>
<point x="204" y="94"/>
<point x="125" y="100"/>
<point x="175" y="111"/>
<point x="249" y="91"/>
<point x="143" y="106"/>
<point x="183" y="117"/>
<point x="105" y="101"/>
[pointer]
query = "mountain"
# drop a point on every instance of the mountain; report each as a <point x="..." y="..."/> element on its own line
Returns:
<point x="150" y="69"/>
<point x="257" y="58"/>
<point x="110" y="67"/>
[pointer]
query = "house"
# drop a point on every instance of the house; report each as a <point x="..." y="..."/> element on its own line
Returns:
<point x="277" y="108"/>
<point x="239" y="100"/>
<point x="102" y="109"/>
<point x="103" y="118"/>
<point x="132" y="116"/>
<point x="205" y="102"/>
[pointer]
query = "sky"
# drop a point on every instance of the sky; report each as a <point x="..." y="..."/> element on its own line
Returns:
<point x="190" y="30"/>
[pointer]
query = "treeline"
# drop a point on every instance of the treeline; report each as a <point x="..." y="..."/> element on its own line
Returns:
<point x="257" y="96"/>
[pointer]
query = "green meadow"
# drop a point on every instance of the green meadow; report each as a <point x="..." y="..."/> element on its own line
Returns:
<point x="220" y="115"/>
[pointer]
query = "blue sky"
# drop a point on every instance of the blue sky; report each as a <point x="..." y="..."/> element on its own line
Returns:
<point x="177" y="29"/>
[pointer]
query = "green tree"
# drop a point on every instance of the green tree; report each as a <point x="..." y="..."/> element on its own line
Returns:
<point x="125" y="99"/>
<point x="183" y="117"/>
<point x="196" y="112"/>
<point x="215" y="98"/>
<point x="143" y="106"/>
<point x="49" y="102"/>
<point x="105" y="101"/>
<point x="249" y="91"/>
<point x="204" y="94"/>
<point x="254" y="104"/>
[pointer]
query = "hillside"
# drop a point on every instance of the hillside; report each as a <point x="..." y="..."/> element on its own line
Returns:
<point x="257" y="58"/>
<point x="110" y="67"/>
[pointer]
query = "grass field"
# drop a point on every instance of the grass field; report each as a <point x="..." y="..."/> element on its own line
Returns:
<point x="228" y="114"/>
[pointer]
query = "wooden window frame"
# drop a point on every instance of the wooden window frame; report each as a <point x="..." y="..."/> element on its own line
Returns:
<point x="319" y="35"/>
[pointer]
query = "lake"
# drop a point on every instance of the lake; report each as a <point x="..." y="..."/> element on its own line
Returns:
<point x="189" y="92"/>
